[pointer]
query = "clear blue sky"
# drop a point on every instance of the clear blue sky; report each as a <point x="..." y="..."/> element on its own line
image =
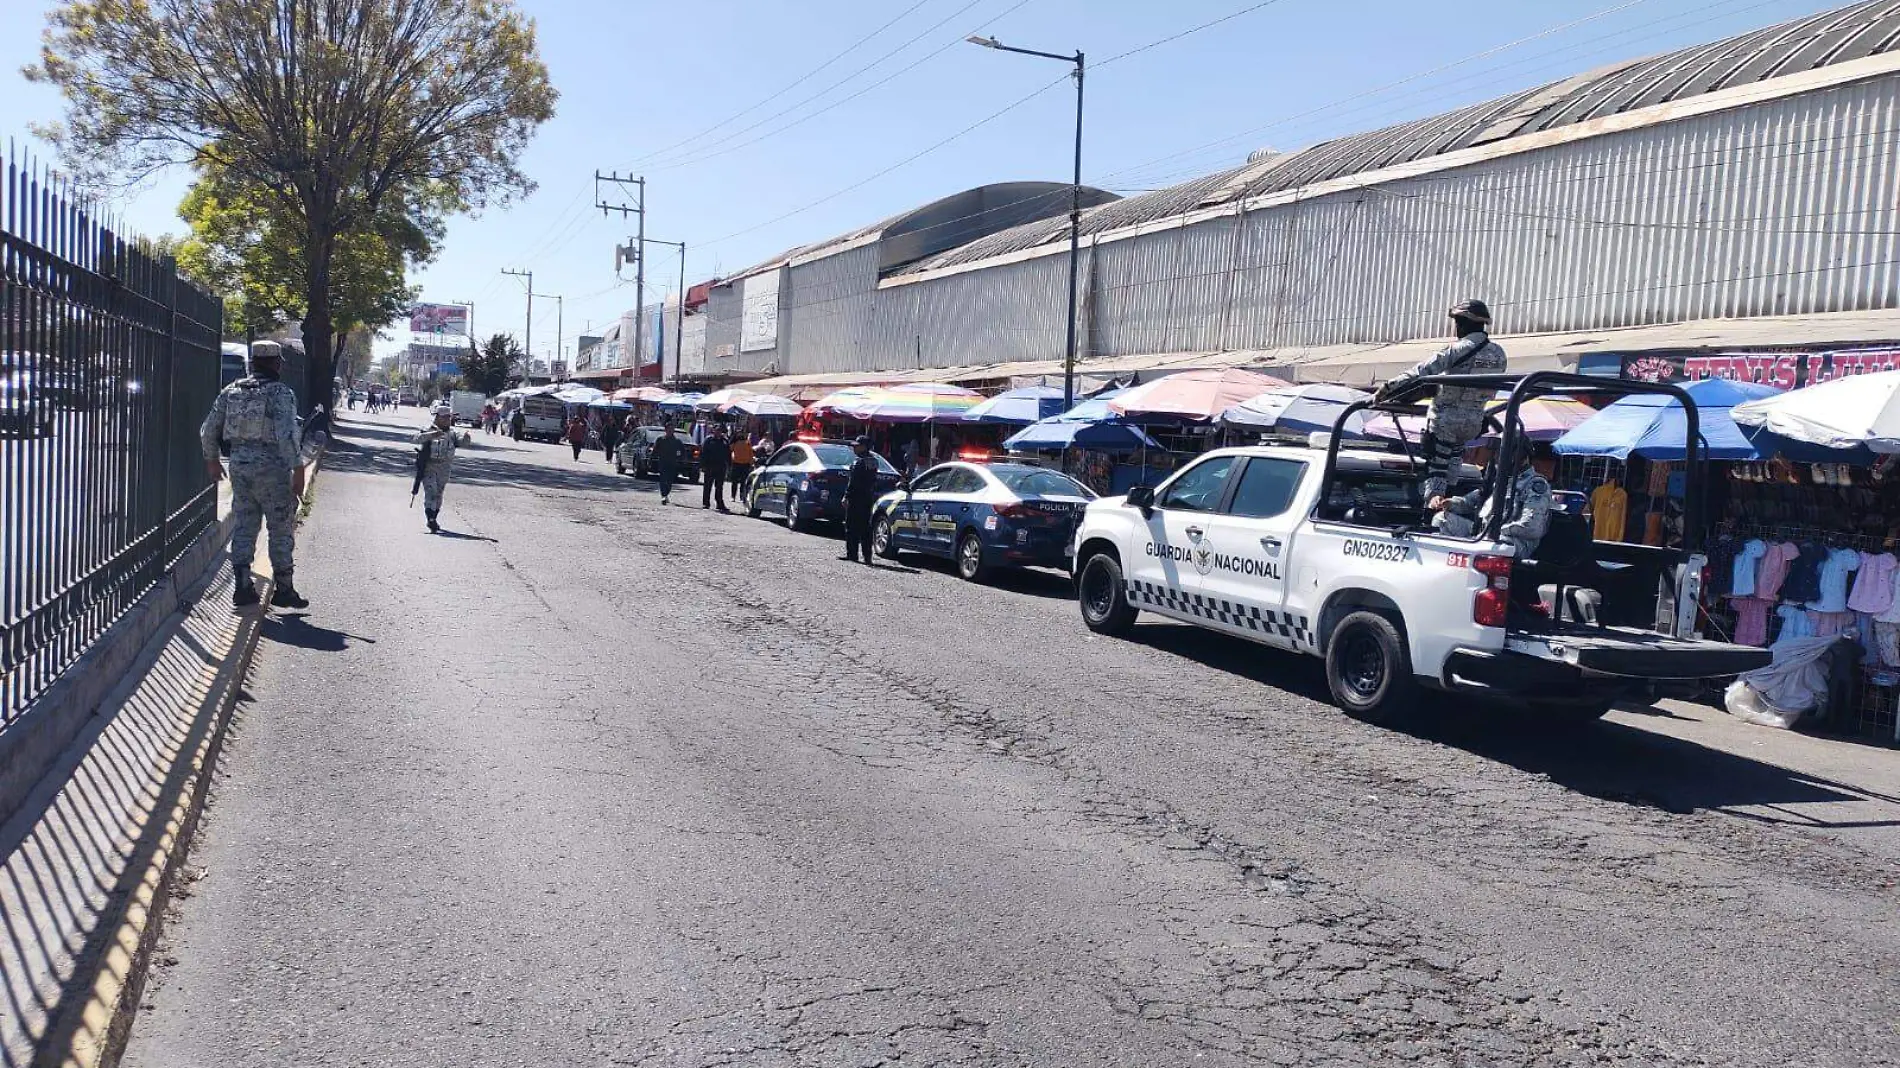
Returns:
<point x="636" y="78"/>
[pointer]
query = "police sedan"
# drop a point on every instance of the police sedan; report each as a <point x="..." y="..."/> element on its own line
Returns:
<point x="982" y="516"/>
<point x="805" y="480"/>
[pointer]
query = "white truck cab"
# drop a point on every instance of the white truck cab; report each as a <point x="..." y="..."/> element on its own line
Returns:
<point x="1327" y="552"/>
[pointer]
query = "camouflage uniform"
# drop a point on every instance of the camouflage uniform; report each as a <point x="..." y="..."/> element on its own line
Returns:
<point x="1463" y="516"/>
<point x="435" y="477"/>
<point x="257" y="417"/>
<point x="1456" y="415"/>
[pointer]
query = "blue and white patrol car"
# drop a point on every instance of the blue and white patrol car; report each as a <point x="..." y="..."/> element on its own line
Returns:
<point x="982" y="516"/>
<point x="804" y="481"/>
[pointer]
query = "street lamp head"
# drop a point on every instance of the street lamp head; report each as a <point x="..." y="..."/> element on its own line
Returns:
<point x="986" y="42"/>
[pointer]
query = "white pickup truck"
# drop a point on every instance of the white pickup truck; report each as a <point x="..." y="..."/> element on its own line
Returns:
<point x="1327" y="551"/>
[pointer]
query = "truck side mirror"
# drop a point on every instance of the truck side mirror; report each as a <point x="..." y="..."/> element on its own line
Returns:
<point x="1142" y="497"/>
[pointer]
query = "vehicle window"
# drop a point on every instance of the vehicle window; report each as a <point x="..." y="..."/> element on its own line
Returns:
<point x="964" y="480"/>
<point x="1198" y="489"/>
<point x="1266" y="487"/>
<point x="789" y="456"/>
<point x="931" y="481"/>
<point x="1024" y="481"/>
<point x="840" y="457"/>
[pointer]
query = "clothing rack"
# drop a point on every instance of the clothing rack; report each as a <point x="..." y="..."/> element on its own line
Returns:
<point x="1585" y="473"/>
<point x="1795" y="532"/>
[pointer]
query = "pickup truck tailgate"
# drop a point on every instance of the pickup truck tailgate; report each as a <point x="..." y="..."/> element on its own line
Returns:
<point x="1639" y="654"/>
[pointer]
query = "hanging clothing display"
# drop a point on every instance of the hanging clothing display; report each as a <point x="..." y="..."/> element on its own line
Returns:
<point x="1774" y="568"/>
<point x="1795" y="623"/>
<point x="1804" y="574"/>
<point x="1747" y="563"/>
<point x="1609" y="511"/>
<point x="1828" y="624"/>
<point x="1751" y="621"/>
<point x="1835" y="570"/>
<point x="1873" y="587"/>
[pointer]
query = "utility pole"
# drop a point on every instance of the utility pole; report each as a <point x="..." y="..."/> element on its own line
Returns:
<point x="680" y="337"/>
<point x="527" y="344"/>
<point x="560" y="331"/>
<point x="638" y="208"/>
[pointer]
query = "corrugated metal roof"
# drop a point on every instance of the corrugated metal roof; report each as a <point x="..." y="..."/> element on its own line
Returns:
<point x="1823" y="40"/>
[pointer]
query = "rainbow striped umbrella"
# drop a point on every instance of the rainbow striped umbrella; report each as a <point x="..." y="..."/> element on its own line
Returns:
<point x="915" y="403"/>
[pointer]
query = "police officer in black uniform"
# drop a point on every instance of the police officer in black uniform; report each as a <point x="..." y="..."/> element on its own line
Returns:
<point x="860" y="493"/>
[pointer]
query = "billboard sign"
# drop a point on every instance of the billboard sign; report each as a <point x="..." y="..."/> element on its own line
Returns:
<point x="1783" y="370"/>
<point x="758" y="312"/>
<point x="438" y="319"/>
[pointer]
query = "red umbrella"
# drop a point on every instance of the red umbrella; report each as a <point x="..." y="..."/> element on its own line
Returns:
<point x="1198" y="396"/>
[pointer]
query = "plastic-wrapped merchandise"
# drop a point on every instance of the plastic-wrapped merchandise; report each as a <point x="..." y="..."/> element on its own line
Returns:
<point x="1796" y="682"/>
<point x="1745" y="702"/>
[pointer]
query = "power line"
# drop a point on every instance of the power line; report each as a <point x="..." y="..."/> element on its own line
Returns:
<point x="1185" y="33"/>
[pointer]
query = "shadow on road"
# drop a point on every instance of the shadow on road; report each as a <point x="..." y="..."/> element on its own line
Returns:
<point x="456" y="535"/>
<point x="376" y="450"/>
<point x="1606" y="760"/>
<point x="296" y="630"/>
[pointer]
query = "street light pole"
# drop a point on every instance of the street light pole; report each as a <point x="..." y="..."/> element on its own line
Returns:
<point x="1075" y="203"/>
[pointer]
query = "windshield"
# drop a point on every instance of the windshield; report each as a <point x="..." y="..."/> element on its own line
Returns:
<point x="1024" y="481"/>
<point x="841" y="456"/>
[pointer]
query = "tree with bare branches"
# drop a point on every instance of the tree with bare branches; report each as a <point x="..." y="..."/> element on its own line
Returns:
<point x="330" y="108"/>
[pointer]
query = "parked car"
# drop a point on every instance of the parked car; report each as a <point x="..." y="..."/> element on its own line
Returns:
<point x="982" y="516"/>
<point x="804" y="482"/>
<point x="636" y="454"/>
<point x="405" y="396"/>
<point x="542" y="418"/>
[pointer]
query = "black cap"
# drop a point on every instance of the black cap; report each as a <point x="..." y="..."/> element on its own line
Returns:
<point x="862" y="440"/>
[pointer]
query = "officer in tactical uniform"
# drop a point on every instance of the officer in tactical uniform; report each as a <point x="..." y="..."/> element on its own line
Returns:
<point x="257" y="418"/>
<point x="439" y="442"/>
<point x="1456" y="415"/>
<point x="1464" y="517"/>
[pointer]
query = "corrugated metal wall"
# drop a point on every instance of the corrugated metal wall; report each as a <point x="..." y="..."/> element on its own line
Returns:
<point x="827" y="310"/>
<point x="1785" y="207"/>
<point x="691" y="357"/>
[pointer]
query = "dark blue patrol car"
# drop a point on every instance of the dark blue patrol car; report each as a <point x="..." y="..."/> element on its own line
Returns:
<point x="982" y="516"/>
<point x="804" y="482"/>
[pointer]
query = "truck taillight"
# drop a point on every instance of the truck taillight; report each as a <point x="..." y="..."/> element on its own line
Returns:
<point x="1489" y="607"/>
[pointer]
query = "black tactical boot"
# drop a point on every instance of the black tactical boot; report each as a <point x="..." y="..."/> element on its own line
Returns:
<point x="243" y="595"/>
<point x="434" y="527"/>
<point x="286" y="595"/>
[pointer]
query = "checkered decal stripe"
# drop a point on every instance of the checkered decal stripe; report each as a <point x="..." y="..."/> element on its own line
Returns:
<point x="1236" y="614"/>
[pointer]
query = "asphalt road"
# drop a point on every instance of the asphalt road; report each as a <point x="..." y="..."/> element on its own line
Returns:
<point x="593" y="781"/>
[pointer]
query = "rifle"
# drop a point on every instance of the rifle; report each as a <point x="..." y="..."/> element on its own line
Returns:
<point x="422" y="465"/>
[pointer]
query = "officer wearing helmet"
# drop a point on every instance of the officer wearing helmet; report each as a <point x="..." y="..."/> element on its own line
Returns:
<point x="1456" y="415"/>
<point x="1464" y="517"/>
<point x="435" y="449"/>
<point x="256" y="417"/>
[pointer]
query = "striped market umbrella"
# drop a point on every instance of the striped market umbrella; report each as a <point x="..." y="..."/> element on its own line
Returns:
<point x="1192" y="396"/>
<point x="764" y="405"/>
<point x="680" y="402"/>
<point x="718" y="399"/>
<point x="915" y="403"/>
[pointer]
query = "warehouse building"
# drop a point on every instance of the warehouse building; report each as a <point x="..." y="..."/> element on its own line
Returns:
<point x="1735" y="195"/>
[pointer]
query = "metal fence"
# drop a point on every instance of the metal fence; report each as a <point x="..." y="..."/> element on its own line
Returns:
<point x="108" y="360"/>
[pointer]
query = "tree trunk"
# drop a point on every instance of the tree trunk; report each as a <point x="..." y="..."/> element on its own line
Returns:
<point x="318" y="330"/>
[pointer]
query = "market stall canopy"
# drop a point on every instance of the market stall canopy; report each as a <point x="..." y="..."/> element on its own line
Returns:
<point x="650" y="394"/>
<point x="1025" y="405"/>
<point x="680" y="402"/>
<point x="610" y="406"/>
<point x="1545" y="419"/>
<point x="764" y="405"/>
<point x="570" y="394"/>
<point x="718" y="399"/>
<point x="1860" y="410"/>
<point x="1297" y="410"/>
<point x="1089" y="425"/>
<point x="922" y="402"/>
<point x="1654" y="426"/>
<point x="1192" y="396"/>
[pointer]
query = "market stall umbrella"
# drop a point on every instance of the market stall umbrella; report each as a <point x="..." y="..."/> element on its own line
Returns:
<point x="841" y="402"/>
<point x="1025" y="405"/>
<point x="1193" y="396"/>
<point x="718" y="399"/>
<point x="765" y="405"/>
<point x="1089" y="425"/>
<point x="1860" y="410"/>
<point x="916" y="403"/>
<point x="680" y="402"/>
<point x="1298" y="409"/>
<point x="1545" y="419"/>
<point x="1654" y="426"/>
<point x="579" y="395"/>
<point x="649" y="394"/>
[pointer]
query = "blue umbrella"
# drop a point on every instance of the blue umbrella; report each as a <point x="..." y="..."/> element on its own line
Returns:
<point x="1088" y="425"/>
<point x="1654" y="426"/>
<point x="1025" y="405"/>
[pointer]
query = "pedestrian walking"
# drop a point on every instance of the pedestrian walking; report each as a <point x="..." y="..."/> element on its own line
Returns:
<point x="667" y="453"/>
<point x="715" y="458"/>
<point x="609" y="435"/>
<point x="741" y="464"/>
<point x="577" y="435"/>
<point x="860" y="492"/>
<point x="256" y="417"/>
<point x="517" y="424"/>
<point x="435" y="455"/>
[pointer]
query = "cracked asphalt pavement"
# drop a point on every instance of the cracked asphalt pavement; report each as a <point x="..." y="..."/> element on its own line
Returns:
<point x="589" y="780"/>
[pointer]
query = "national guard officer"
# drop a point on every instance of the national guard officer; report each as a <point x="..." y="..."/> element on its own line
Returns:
<point x="1456" y="415"/>
<point x="1462" y="517"/>
<point x="436" y="449"/>
<point x="860" y="493"/>
<point x="256" y="417"/>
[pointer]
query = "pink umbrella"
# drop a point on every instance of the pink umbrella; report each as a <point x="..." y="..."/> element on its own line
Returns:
<point x="1197" y="396"/>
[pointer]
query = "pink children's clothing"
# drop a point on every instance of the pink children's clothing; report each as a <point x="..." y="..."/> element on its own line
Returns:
<point x="1829" y="623"/>
<point x="1751" y="620"/>
<point x="1774" y="569"/>
<point x="1873" y="587"/>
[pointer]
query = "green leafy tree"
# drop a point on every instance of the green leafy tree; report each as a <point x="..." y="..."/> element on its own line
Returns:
<point x="488" y="368"/>
<point x="328" y="109"/>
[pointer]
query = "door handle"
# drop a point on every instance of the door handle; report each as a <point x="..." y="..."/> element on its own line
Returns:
<point x="1270" y="543"/>
<point x="1195" y="532"/>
